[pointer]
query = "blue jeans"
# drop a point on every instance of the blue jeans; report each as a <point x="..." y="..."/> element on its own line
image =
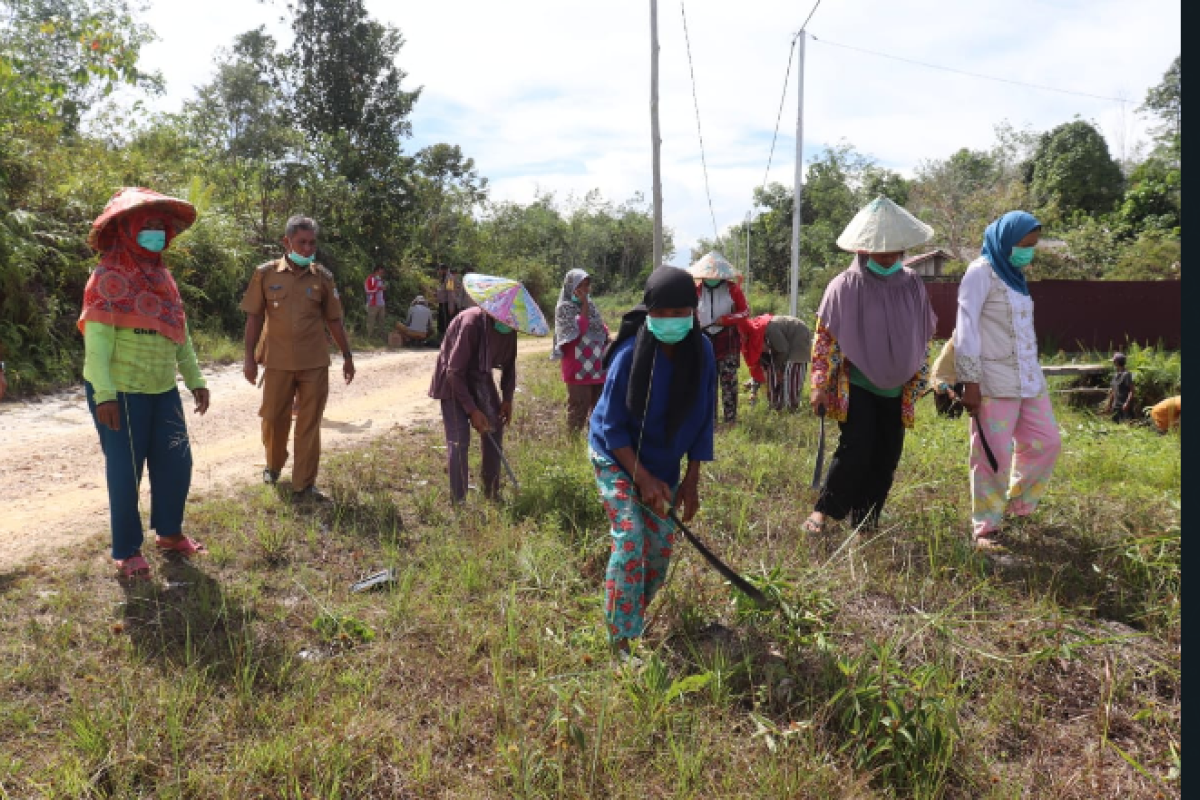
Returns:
<point x="153" y="431"/>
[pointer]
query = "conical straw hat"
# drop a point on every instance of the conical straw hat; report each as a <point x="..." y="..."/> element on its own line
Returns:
<point x="881" y="226"/>
<point x="181" y="213"/>
<point x="713" y="266"/>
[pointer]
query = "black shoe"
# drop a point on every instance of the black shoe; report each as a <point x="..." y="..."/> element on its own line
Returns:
<point x="309" y="495"/>
<point x="270" y="477"/>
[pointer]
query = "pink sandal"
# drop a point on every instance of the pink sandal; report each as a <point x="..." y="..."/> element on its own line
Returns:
<point x="133" y="567"/>
<point x="187" y="546"/>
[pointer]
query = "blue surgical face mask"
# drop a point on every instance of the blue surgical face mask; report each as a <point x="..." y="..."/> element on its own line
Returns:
<point x="301" y="261"/>
<point x="575" y="300"/>
<point x="712" y="284"/>
<point x="154" y="241"/>
<point x="885" y="271"/>
<point x="501" y="327"/>
<point x="669" y="330"/>
<point x="1021" y="256"/>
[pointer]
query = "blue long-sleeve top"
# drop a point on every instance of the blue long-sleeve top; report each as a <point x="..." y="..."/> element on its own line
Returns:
<point x="614" y="427"/>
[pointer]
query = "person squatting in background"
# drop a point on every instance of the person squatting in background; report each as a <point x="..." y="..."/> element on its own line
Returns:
<point x="136" y="337"/>
<point x="657" y="406"/>
<point x="419" y="324"/>
<point x="947" y="388"/>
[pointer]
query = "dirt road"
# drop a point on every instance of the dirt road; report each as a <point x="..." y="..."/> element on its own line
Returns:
<point x="52" y="489"/>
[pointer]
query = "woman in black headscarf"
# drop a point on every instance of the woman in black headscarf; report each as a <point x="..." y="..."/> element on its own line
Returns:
<point x="658" y="405"/>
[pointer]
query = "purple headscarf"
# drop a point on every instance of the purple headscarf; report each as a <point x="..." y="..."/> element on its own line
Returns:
<point x="882" y="323"/>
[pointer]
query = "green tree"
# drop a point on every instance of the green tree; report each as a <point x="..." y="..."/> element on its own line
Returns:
<point x="448" y="189"/>
<point x="58" y="58"/>
<point x="241" y="119"/>
<point x="1165" y="101"/>
<point x="1154" y="199"/>
<point x="1072" y="171"/>
<point x="952" y="196"/>
<point x="348" y="85"/>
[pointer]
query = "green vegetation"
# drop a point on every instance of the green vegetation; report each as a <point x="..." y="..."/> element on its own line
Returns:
<point x="899" y="664"/>
<point x="319" y="128"/>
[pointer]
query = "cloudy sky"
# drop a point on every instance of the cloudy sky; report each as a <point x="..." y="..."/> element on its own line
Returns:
<point x="553" y="95"/>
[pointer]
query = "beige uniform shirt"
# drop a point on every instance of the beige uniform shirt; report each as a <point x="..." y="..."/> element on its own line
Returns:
<point x="297" y="303"/>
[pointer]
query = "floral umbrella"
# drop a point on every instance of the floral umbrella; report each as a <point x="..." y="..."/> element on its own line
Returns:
<point x="507" y="301"/>
<point x="712" y="267"/>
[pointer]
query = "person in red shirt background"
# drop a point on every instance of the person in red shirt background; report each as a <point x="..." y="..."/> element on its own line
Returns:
<point x="376" y="308"/>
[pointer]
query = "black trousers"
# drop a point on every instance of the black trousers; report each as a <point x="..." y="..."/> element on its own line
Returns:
<point x="443" y="320"/>
<point x="864" y="464"/>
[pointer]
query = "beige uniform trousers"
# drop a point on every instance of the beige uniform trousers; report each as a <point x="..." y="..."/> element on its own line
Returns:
<point x="310" y="387"/>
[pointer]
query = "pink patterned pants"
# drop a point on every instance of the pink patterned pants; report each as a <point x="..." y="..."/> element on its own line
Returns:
<point x="1023" y="435"/>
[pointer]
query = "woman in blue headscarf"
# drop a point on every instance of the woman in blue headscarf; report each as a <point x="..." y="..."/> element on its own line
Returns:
<point x="996" y="358"/>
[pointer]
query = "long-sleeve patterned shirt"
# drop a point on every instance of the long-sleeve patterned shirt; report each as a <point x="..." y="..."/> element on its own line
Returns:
<point x="831" y="373"/>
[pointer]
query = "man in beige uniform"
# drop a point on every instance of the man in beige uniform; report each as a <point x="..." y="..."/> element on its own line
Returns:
<point x="297" y="297"/>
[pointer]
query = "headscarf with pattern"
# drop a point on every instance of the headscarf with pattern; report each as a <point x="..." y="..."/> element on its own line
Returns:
<point x="566" y="315"/>
<point x="131" y="287"/>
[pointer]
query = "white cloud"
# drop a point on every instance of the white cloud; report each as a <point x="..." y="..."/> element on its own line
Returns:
<point x="554" y="94"/>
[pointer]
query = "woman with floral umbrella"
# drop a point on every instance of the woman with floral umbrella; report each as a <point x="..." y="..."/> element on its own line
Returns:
<point x="135" y="338"/>
<point x="477" y="341"/>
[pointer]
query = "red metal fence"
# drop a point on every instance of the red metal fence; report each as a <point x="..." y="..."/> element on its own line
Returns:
<point x="1088" y="315"/>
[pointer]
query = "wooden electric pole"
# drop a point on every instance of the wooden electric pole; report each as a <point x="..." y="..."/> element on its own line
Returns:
<point x="654" y="137"/>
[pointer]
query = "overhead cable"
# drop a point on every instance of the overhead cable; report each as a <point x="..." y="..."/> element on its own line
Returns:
<point x="971" y="74"/>
<point x="696" y="102"/>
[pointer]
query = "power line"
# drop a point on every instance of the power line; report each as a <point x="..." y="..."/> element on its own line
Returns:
<point x="970" y="74"/>
<point x="783" y="95"/>
<point x="809" y="17"/>
<point x="782" y="98"/>
<point x="696" y="102"/>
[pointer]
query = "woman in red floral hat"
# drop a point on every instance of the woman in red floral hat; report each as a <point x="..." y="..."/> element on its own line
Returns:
<point x="135" y="340"/>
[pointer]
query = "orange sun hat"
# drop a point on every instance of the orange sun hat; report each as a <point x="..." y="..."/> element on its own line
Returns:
<point x="180" y="213"/>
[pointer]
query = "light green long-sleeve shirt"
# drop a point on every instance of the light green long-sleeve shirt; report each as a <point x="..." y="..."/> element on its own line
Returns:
<point x="135" y="360"/>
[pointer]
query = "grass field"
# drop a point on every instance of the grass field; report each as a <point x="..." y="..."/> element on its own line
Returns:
<point x="898" y="665"/>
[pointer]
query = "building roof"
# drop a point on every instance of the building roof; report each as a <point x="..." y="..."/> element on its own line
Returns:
<point x="923" y="257"/>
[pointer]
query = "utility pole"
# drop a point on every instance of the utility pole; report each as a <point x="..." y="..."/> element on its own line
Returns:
<point x="748" y="251"/>
<point x="795" y="293"/>
<point x="656" y="142"/>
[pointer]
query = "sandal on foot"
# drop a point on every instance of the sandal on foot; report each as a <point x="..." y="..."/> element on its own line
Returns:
<point x="186" y="546"/>
<point x="813" y="526"/>
<point x="133" y="567"/>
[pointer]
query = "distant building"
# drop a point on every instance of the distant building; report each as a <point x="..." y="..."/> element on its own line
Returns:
<point x="930" y="266"/>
